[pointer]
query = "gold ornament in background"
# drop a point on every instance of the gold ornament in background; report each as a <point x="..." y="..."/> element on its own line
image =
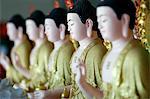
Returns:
<point x="142" y="26"/>
<point x="148" y="4"/>
<point x="147" y="28"/>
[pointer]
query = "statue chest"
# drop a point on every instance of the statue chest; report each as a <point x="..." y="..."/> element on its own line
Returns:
<point x="108" y="65"/>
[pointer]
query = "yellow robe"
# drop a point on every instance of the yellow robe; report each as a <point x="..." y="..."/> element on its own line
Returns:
<point x="131" y="74"/>
<point x="38" y="67"/>
<point x="60" y="73"/>
<point x="23" y="50"/>
<point x="92" y="57"/>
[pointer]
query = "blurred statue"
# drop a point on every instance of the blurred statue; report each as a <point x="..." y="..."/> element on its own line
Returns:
<point x="58" y="69"/>
<point x="39" y="55"/>
<point x="16" y="33"/>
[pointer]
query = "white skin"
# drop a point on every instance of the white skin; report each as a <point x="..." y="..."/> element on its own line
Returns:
<point x="12" y="31"/>
<point x="15" y="35"/>
<point x="110" y="26"/>
<point x="112" y="29"/>
<point x="32" y="30"/>
<point x="57" y="36"/>
<point x="35" y="33"/>
<point x="76" y="28"/>
<point x="51" y="30"/>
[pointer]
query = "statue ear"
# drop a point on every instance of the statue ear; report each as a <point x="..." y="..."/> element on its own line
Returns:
<point x="20" y="32"/>
<point x="125" y="19"/>
<point x="62" y="29"/>
<point x="41" y="31"/>
<point x="89" y="25"/>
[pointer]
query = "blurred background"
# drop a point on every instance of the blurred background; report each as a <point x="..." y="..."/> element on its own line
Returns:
<point x="25" y="7"/>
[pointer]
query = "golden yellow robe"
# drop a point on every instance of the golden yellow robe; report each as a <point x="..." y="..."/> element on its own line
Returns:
<point x="92" y="57"/>
<point x="59" y="74"/>
<point x="38" y="67"/>
<point x="131" y="74"/>
<point x="23" y="51"/>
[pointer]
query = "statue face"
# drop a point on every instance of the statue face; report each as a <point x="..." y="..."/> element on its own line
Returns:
<point x="32" y="30"/>
<point x="108" y="23"/>
<point x="11" y="31"/>
<point x="76" y="28"/>
<point x="51" y="30"/>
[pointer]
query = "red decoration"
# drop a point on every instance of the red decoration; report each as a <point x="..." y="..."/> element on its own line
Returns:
<point x="2" y="72"/>
<point x="3" y="30"/>
<point x="32" y="8"/>
<point x="69" y="4"/>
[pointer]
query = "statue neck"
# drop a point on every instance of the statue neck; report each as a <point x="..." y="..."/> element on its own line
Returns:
<point x="19" y="41"/>
<point x="38" y="42"/>
<point x="58" y="44"/>
<point x="85" y="42"/>
<point x="119" y="44"/>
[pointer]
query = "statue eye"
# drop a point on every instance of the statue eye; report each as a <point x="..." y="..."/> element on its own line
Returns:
<point x="72" y="24"/>
<point x="104" y="20"/>
<point x="47" y="28"/>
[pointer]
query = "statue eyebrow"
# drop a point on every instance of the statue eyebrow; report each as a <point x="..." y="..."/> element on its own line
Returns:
<point x="45" y="24"/>
<point x="101" y="15"/>
<point x="69" y="20"/>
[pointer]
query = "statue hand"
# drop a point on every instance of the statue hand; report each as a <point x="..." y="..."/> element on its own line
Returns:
<point x="47" y="85"/>
<point x="40" y="94"/>
<point x="81" y="73"/>
<point x="17" y="60"/>
<point x="30" y="95"/>
<point x="4" y="60"/>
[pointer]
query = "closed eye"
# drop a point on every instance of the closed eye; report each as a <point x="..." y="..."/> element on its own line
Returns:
<point x="72" y="24"/>
<point x="104" y="20"/>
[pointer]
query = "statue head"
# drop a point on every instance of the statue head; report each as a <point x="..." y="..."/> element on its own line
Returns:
<point x="115" y="18"/>
<point x="82" y="20"/>
<point x="35" y="25"/>
<point x="16" y="27"/>
<point x="55" y="24"/>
